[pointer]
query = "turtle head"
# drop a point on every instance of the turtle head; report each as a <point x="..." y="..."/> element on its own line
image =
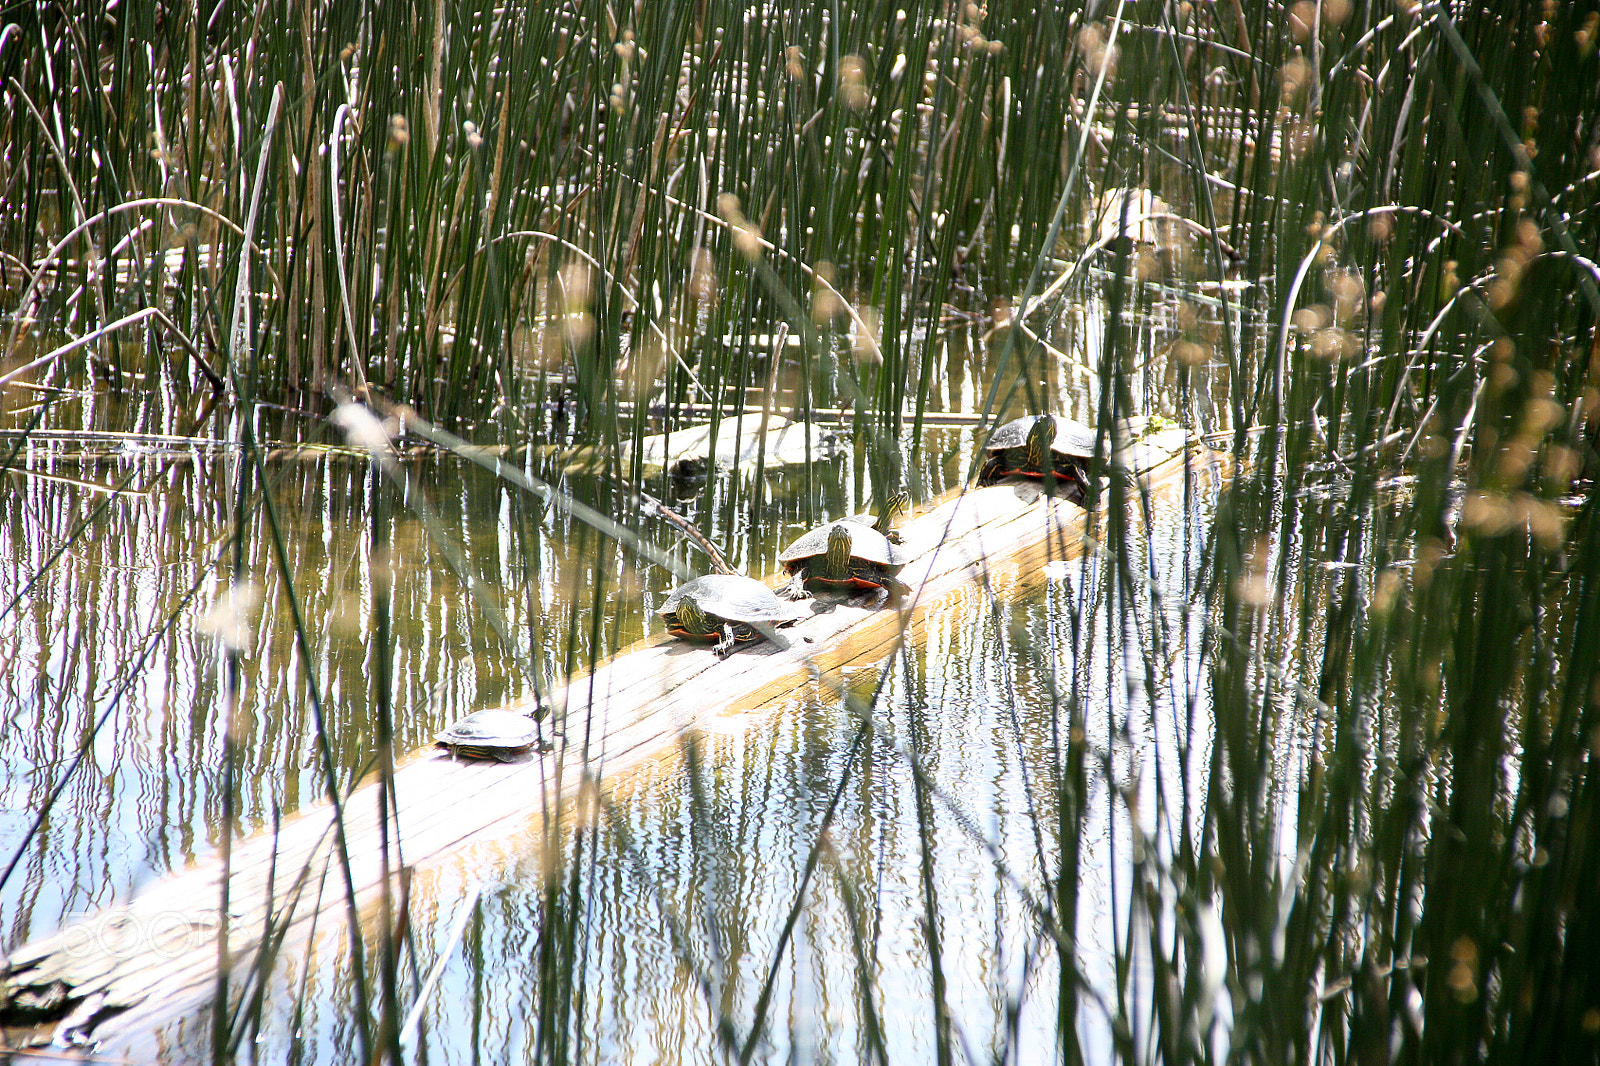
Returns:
<point x="894" y="509"/>
<point x="693" y="620"/>
<point x="1040" y="436"/>
<point x="839" y="548"/>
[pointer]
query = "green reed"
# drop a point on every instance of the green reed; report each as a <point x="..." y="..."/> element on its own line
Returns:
<point x="535" y="225"/>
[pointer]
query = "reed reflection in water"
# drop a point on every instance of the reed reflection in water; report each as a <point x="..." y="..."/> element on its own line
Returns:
<point x="655" y="929"/>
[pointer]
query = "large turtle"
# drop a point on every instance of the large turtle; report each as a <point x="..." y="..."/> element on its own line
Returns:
<point x="1032" y="446"/>
<point x="725" y="608"/>
<point x="847" y="556"/>
<point x="490" y="734"/>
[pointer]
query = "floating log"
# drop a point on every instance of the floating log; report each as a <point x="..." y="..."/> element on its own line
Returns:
<point x="786" y="401"/>
<point x="129" y="970"/>
<point x="739" y="442"/>
<point x="785" y="442"/>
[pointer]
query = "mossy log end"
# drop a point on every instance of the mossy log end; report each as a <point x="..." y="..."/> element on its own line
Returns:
<point x="126" y="971"/>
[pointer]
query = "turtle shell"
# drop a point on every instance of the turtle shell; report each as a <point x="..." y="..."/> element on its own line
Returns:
<point x="1072" y="438"/>
<point x="490" y="734"/>
<point x="842" y="555"/>
<point x="730" y="598"/>
<point x="1013" y="453"/>
<point x="866" y="545"/>
<point x="725" y="608"/>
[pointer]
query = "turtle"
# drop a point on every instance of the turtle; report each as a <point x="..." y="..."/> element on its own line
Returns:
<point x="491" y="734"/>
<point x="724" y="608"/>
<point x="846" y="555"/>
<point x="1019" y="447"/>
<point x="884" y="520"/>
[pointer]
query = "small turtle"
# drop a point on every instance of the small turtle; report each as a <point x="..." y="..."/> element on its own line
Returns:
<point x="1020" y="447"/>
<point x="893" y="508"/>
<point x="846" y="555"/>
<point x="724" y="608"/>
<point x="491" y="734"/>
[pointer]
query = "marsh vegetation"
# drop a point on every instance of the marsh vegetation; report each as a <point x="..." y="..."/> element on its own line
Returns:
<point x="1299" y="768"/>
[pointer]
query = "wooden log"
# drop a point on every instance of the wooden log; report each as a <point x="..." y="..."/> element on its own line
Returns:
<point x="137" y="966"/>
<point x="739" y="442"/>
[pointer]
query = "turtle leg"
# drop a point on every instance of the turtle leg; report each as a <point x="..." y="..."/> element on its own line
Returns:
<point x="1078" y="490"/>
<point x="796" y="588"/>
<point x="728" y="642"/>
<point x="891" y="587"/>
<point x="989" y="474"/>
<point x="868" y="597"/>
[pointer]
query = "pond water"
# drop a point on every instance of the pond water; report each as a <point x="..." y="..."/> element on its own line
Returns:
<point x="655" y="934"/>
